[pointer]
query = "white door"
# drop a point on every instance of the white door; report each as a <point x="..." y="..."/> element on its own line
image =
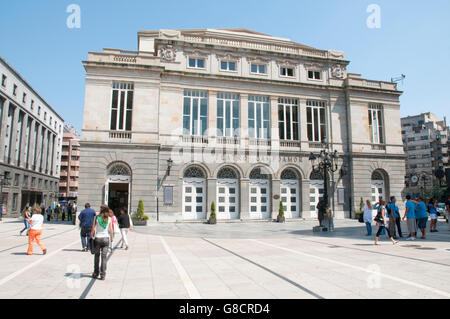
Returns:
<point x="194" y="198"/>
<point x="315" y="194"/>
<point x="227" y="203"/>
<point x="377" y="190"/>
<point x="259" y="199"/>
<point x="290" y="197"/>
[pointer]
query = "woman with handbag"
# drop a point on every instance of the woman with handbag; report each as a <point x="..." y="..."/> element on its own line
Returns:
<point x="103" y="233"/>
<point x="368" y="217"/>
<point x="381" y="222"/>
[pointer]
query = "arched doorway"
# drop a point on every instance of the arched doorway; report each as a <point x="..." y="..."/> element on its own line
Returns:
<point x="378" y="186"/>
<point x="117" y="187"/>
<point x="227" y="202"/>
<point x="316" y="190"/>
<point x="289" y="190"/>
<point x="194" y="194"/>
<point x="260" y="191"/>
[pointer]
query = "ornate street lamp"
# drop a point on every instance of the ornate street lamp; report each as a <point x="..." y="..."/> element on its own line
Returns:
<point x="327" y="162"/>
<point x="169" y="166"/>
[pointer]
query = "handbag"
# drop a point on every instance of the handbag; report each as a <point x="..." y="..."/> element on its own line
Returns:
<point x="92" y="245"/>
<point x="379" y="218"/>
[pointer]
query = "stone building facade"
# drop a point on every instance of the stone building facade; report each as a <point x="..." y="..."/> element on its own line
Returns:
<point x="30" y="144"/>
<point x="231" y="116"/>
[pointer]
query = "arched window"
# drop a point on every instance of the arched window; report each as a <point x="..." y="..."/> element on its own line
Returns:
<point x="227" y="173"/>
<point x="377" y="176"/>
<point x="316" y="176"/>
<point x="194" y="172"/>
<point x="257" y="173"/>
<point x="119" y="169"/>
<point x="289" y="174"/>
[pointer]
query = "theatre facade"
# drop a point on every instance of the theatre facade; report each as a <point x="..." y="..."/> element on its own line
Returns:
<point x="231" y="116"/>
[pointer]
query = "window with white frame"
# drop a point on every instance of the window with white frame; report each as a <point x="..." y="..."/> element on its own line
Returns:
<point x="227" y="114"/>
<point x="196" y="63"/>
<point x="257" y="68"/>
<point x="315" y="120"/>
<point x="228" y="65"/>
<point x="314" y="75"/>
<point x="195" y="112"/>
<point x="286" y="71"/>
<point x="376" y="123"/>
<point x="288" y="119"/>
<point x="122" y="106"/>
<point x="259" y="117"/>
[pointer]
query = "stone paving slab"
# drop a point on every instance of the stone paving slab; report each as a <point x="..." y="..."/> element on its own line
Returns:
<point x="228" y="260"/>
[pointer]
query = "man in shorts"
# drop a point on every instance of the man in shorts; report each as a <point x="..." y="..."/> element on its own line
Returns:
<point x="421" y="215"/>
<point x="410" y="215"/>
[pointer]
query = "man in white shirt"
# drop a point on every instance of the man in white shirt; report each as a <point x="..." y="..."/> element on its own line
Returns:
<point x="35" y="233"/>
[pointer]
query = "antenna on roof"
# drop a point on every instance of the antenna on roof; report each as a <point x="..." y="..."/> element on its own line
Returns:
<point x="398" y="79"/>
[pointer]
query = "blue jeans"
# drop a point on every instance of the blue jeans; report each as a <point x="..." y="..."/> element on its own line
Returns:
<point x="330" y="224"/>
<point x="369" y="229"/>
<point x="27" y="225"/>
<point x="85" y="235"/>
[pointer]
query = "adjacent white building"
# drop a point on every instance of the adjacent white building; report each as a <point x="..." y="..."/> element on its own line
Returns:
<point x="231" y="116"/>
<point x="30" y="144"/>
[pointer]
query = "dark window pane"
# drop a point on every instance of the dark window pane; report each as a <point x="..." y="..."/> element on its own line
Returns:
<point x="254" y="68"/>
<point x="130" y="100"/>
<point x="113" y="119"/>
<point x="192" y="63"/>
<point x="201" y="63"/>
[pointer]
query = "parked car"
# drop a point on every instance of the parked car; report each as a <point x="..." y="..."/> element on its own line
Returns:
<point x="443" y="212"/>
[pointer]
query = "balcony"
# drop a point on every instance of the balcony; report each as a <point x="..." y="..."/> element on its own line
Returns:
<point x="260" y="142"/>
<point x="290" y="144"/>
<point x="228" y="140"/>
<point x="119" y="135"/>
<point x="194" y="139"/>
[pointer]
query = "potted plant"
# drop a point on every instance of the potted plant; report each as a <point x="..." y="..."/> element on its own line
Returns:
<point x="359" y="213"/>
<point x="212" y="218"/>
<point x="280" y="217"/>
<point x="140" y="219"/>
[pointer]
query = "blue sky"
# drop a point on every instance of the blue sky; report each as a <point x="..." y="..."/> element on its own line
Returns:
<point x="414" y="39"/>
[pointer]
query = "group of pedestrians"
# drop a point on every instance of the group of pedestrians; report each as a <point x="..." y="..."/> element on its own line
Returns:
<point x="388" y="218"/>
<point x="61" y="211"/>
<point x="102" y="228"/>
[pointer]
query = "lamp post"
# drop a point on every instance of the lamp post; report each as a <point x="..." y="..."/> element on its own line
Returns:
<point x="3" y="182"/>
<point x="326" y="163"/>
<point x="169" y="166"/>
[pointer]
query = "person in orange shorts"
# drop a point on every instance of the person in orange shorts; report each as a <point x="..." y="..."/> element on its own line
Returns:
<point x="35" y="233"/>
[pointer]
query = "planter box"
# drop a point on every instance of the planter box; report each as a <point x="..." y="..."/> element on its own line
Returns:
<point x="281" y="219"/>
<point x="212" y="220"/>
<point x="139" y="222"/>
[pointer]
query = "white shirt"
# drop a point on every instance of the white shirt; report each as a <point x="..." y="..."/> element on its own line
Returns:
<point x="368" y="214"/>
<point x="101" y="232"/>
<point x="36" y="221"/>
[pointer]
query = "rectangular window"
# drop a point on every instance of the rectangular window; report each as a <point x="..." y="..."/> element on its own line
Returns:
<point x="32" y="104"/>
<point x="258" y="68"/>
<point x="15" y="90"/>
<point x="228" y="114"/>
<point x="25" y="181"/>
<point x="195" y="112"/>
<point x="122" y="106"/>
<point x="228" y="66"/>
<point x="314" y="75"/>
<point x="15" y="200"/>
<point x="259" y="117"/>
<point x="196" y="63"/>
<point x="288" y="119"/>
<point x="16" y="179"/>
<point x="376" y="123"/>
<point x="4" y="80"/>
<point x="24" y="98"/>
<point x="284" y="71"/>
<point x="315" y="120"/>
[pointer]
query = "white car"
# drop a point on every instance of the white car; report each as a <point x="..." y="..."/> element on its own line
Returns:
<point x="443" y="212"/>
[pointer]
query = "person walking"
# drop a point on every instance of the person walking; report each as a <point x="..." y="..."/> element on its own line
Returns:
<point x="56" y="212"/>
<point x="432" y="204"/>
<point x="410" y="216"/>
<point x="381" y="222"/>
<point x="26" y="217"/>
<point x="63" y="212"/>
<point x="394" y="217"/>
<point x="124" y="226"/>
<point x="421" y="216"/>
<point x="49" y="213"/>
<point x="35" y="233"/>
<point x="86" y="219"/>
<point x="115" y="228"/>
<point x="102" y="232"/>
<point x="330" y="218"/>
<point x="69" y="212"/>
<point x="368" y="217"/>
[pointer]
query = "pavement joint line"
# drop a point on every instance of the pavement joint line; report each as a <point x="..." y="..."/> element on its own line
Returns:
<point x="187" y="282"/>
<point x="295" y="284"/>
<point x="378" y="252"/>
<point x="29" y="266"/>
<point x="404" y="281"/>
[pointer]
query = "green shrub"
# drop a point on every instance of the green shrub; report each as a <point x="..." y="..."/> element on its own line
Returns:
<point x="213" y="210"/>
<point x="140" y="211"/>
<point x="281" y="209"/>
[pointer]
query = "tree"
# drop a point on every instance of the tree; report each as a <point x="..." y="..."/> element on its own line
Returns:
<point x="281" y="209"/>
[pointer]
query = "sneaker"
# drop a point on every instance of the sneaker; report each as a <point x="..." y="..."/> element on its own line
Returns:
<point x="44" y="251"/>
<point x="94" y="275"/>
<point x="126" y="248"/>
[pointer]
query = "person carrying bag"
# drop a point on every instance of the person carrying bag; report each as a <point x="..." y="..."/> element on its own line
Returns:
<point x="103" y="232"/>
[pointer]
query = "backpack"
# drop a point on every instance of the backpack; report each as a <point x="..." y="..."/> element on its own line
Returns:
<point x="379" y="217"/>
<point x="389" y="210"/>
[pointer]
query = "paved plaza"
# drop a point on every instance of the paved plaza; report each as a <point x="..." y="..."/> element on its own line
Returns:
<point x="253" y="260"/>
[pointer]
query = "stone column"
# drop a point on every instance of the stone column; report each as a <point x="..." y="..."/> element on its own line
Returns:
<point x="303" y="126"/>
<point x="23" y="149"/>
<point x="14" y="141"/>
<point x="47" y="150"/>
<point x="211" y="185"/>
<point x="212" y="116"/>
<point x="30" y="154"/>
<point x="38" y="154"/>
<point x="275" y="202"/>
<point x="5" y="105"/>
<point x="244" y="121"/>
<point x="305" y="194"/>
<point x="274" y="133"/>
<point x="244" y="198"/>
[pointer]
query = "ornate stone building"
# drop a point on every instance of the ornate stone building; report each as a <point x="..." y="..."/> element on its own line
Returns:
<point x="231" y="116"/>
